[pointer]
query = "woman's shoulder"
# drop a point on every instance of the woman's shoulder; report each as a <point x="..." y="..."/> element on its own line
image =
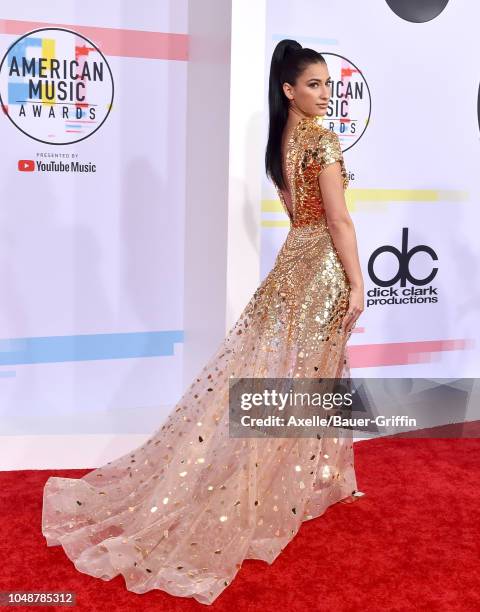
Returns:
<point x="327" y="141"/>
<point x="321" y="142"/>
<point x="314" y="130"/>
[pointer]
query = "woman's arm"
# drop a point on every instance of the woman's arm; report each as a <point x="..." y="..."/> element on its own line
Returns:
<point x="339" y="222"/>
<point x="343" y="235"/>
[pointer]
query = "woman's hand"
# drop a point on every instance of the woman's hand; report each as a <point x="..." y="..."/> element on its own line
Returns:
<point x="356" y="306"/>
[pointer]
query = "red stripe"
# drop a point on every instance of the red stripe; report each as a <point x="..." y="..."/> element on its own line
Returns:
<point x="402" y="353"/>
<point x="115" y="41"/>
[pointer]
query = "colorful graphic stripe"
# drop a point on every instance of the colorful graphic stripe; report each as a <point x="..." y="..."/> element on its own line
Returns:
<point x="403" y="353"/>
<point x="114" y="41"/>
<point x="370" y="200"/>
<point x="48" y="52"/>
<point x="54" y="349"/>
<point x="85" y="347"/>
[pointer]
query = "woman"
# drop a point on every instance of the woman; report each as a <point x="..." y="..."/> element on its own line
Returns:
<point x="181" y="512"/>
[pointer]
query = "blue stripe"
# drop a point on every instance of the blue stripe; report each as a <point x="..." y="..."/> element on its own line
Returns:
<point x="51" y="349"/>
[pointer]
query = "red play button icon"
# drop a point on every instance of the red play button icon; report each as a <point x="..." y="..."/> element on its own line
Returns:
<point x="26" y="165"/>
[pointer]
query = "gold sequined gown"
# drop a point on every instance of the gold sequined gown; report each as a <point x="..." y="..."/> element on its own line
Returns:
<point x="181" y="512"/>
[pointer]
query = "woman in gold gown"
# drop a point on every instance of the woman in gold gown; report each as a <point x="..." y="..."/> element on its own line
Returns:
<point x="181" y="512"/>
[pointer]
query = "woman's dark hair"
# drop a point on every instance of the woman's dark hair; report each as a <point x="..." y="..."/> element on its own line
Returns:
<point x="289" y="60"/>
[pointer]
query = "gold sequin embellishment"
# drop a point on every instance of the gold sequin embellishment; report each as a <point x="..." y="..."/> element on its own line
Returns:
<point x="311" y="148"/>
<point x="181" y="512"/>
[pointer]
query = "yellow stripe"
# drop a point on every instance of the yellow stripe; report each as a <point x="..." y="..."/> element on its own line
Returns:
<point x="48" y="51"/>
<point x="379" y="199"/>
<point x="272" y="206"/>
<point x="273" y="223"/>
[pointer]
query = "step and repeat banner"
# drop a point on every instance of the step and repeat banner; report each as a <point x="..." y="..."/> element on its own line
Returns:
<point x="92" y="192"/>
<point x="92" y="181"/>
<point x="405" y="107"/>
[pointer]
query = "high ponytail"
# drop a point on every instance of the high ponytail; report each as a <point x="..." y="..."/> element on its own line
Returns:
<point x="289" y="59"/>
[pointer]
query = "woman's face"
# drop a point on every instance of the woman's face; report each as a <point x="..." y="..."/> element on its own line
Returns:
<point x="311" y="93"/>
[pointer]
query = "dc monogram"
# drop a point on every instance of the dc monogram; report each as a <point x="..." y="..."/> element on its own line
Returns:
<point x="404" y="256"/>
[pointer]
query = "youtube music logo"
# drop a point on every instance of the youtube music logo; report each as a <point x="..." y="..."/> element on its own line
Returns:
<point x="26" y="165"/>
<point x="72" y="167"/>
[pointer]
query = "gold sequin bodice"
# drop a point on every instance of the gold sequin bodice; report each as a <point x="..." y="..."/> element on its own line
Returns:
<point x="310" y="148"/>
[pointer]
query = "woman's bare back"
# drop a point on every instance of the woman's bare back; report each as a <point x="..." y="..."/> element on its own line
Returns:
<point x="286" y="136"/>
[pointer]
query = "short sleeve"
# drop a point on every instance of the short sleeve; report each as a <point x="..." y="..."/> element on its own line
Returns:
<point x="329" y="151"/>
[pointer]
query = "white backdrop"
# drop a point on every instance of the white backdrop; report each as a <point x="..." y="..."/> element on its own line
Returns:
<point x="404" y="105"/>
<point x="92" y="310"/>
<point x="91" y="315"/>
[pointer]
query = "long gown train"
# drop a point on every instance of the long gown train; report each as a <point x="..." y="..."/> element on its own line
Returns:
<point x="181" y="512"/>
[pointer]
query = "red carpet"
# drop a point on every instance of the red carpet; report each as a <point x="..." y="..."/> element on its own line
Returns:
<point x="411" y="543"/>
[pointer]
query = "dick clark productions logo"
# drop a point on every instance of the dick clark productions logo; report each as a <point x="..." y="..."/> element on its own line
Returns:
<point x="56" y="86"/>
<point x="417" y="292"/>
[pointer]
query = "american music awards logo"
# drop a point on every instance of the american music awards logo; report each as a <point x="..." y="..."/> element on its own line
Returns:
<point x="388" y="266"/>
<point x="56" y="86"/>
<point x="350" y="104"/>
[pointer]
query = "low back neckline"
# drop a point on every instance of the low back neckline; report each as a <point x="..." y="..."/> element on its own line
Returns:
<point x="288" y="144"/>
